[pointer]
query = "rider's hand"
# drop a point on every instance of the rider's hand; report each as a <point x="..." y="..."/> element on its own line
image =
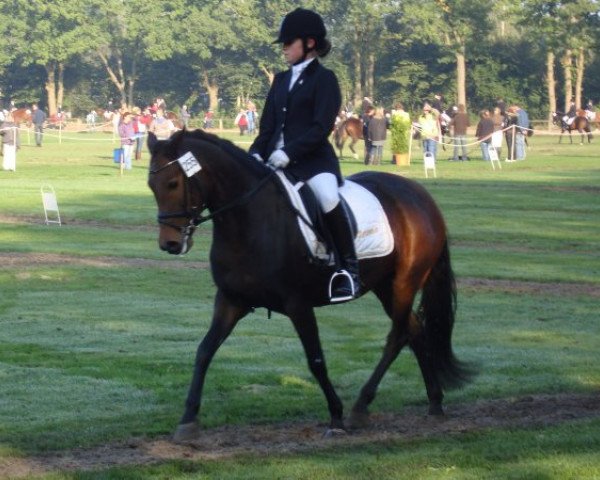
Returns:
<point x="258" y="157"/>
<point x="279" y="159"/>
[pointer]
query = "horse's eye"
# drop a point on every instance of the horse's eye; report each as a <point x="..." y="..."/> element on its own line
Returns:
<point x="172" y="185"/>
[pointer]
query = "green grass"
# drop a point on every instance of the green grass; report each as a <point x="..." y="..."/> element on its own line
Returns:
<point x="93" y="353"/>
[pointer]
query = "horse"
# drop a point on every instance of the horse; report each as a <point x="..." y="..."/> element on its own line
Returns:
<point x="579" y="123"/>
<point x="350" y="127"/>
<point x="22" y="115"/>
<point x="258" y="258"/>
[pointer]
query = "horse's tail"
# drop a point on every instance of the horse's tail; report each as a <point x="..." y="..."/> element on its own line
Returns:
<point x="436" y="313"/>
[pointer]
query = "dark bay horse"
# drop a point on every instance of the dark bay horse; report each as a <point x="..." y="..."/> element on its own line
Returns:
<point x="579" y="123"/>
<point x="348" y="128"/>
<point x="258" y="258"/>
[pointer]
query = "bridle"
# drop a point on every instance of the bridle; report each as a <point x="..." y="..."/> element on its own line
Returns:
<point x="193" y="213"/>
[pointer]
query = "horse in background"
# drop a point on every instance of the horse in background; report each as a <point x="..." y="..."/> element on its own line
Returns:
<point x="352" y="128"/>
<point x="579" y="123"/>
<point x="22" y="115"/>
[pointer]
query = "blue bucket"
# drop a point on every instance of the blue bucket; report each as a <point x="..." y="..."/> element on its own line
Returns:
<point x="118" y="155"/>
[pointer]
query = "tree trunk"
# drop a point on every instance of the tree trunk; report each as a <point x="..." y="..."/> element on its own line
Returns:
<point x="51" y="88"/>
<point x="269" y="74"/>
<point x="461" y="77"/>
<point x="212" y="89"/>
<point x="358" y="94"/>
<point x="370" y="75"/>
<point x="567" y="63"/>
<point x="131" y="83"/>
<point x="551" y="86"/>
<point x="580" y="64"/>
<point x="60" y="84"/>
<point x="116" y="78"/>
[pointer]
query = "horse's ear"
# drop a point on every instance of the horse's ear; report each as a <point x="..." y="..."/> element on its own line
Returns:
<point x="152" y="141"/>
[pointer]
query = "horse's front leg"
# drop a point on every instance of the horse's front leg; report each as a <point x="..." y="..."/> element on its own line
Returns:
<point x="225" y="317"/>
<point x="305" y="324"/>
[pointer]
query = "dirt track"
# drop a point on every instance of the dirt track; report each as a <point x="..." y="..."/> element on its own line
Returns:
<point x="524" y="412"/>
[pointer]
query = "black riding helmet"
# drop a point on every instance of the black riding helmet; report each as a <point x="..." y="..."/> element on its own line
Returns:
<point x="301" y="23"/>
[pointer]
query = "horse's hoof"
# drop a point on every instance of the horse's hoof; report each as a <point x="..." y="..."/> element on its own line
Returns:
<point x="186" y="432"/>
<point x="359" y="420"/>
<point x="334" y="432"/>
<point x="436" y="411"/>
<point x="355" y="156"/>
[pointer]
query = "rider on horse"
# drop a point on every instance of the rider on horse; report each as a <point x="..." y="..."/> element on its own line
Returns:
<point x="299" y="115"/>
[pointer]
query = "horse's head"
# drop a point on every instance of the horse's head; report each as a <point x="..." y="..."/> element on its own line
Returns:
<point x="171" y="177"/>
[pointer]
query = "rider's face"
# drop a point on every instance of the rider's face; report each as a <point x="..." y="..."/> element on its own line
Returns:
<point x="293" y="51"/>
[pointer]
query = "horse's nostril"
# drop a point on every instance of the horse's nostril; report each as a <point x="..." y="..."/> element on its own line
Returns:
<point x="172" y="247"/>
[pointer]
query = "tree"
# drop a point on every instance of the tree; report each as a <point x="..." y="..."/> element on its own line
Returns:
<point x="48" y="33"/>
<point x="125" y="33"/>
<point x="461" y="22"/>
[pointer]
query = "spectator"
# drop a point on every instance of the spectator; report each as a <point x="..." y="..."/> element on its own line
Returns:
<point x="459" y="124"/>
<point x="498" y="119"/>
<point x="366" y="118"/>
<point x="485" y="129"/>
<point x="208" y="119"/>
<point x="139" y="128"/>
<point x="185" y="117"/>
<point x="241" y="120"/>
<point x="10" y="142"/>
<point x="161" y="127"/>
<point x="523" y="130"/>
<point x="376" y="133"/>
<point x="127" y="134"/>
<point x="510" y="122"/>
<point x="430" y="130"/>
<point x="251" y="116"/>
<point x="38" y="117"/>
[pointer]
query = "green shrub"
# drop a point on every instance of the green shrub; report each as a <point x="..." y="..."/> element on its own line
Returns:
<point x="400" y="130"/>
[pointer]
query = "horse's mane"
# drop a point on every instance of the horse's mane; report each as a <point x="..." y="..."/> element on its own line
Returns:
<point x="240" y="155"/>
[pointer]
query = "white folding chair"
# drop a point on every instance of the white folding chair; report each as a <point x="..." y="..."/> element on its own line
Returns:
<point x="494" y="157"/>
<point x="429" y="163"/>
<point x="50" y="205"/>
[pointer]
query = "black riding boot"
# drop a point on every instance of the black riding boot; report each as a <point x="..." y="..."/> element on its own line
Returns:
<point x="344" y="284"/>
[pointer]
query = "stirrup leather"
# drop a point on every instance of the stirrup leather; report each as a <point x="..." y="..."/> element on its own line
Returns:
<point x="344" y="274"/>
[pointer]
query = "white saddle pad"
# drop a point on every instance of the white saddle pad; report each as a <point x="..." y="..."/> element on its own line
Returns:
<point x="374" y="237"/>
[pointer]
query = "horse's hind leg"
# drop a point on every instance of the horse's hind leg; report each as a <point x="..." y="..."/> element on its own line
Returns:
<point x="305" y="324"/>
<point x="397" y="338"/>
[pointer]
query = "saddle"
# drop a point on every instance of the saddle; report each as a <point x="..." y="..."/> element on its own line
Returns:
<point x="373" y="234"/>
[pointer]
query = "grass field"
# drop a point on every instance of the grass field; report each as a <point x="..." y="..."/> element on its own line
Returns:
<point x="98" y="331"/>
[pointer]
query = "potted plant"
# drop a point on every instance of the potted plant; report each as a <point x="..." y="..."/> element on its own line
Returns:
<point x="400" y="131"/>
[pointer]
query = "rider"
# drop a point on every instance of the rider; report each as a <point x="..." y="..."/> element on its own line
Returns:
<point x="299" y="115"/>
<point x="571" y="114"/>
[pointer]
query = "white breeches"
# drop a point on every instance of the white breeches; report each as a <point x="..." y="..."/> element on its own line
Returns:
<point x="325" y="188"/>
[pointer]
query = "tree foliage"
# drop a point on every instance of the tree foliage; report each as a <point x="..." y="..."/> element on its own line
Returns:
<point x="218" y="54"/>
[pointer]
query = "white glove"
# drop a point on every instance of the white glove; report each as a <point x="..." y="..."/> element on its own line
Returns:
<point x="258" y="157"/>
<point x="279" y="159"/>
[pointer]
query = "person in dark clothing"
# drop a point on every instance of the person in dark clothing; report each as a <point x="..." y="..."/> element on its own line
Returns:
<point x="459" y="124"/>
<point x="299" y="114"/>
<point x="366" y="119"/>
<point x="485" y="129"/>
<point x="38" y="117"/>
<point x="376" y="133"/>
